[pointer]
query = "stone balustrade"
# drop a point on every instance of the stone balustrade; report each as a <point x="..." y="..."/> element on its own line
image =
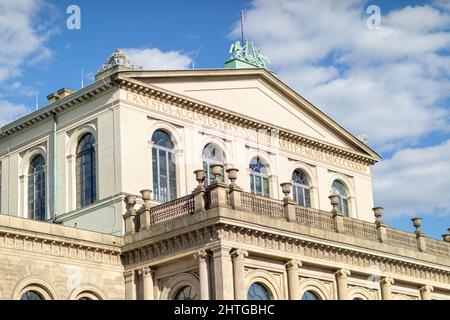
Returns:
<point x="231" y="196"/>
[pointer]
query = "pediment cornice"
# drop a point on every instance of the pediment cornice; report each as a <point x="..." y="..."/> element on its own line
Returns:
<point x="202" y="107"/>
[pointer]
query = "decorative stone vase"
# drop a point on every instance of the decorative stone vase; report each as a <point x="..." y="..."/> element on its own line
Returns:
<point x="334" y="200"/>
<point x="217" y="171"/>
<point x="146" y="194"/>
<point x="417" y="222"/>
<point x="232" y="174"/>
<point x="446" y="237"/>
<point x="200" y="176"/>
<point x="378" y="212"/>
<point x="130" y="200"/>
<point x="286" y="188"/>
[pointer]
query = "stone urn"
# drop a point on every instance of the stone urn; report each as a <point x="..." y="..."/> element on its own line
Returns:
<point x="146" y="194"/>
<point x="334" y="200"/>
<point x="130" y="200"/>
<point x="446" y="237"/>
<point x="378" y="212"/>
<point x="286" y="188"/>
<point x="217" y="171"/>
<point x="200" y="176"/>
<point x="232" y="174"/>
<point x="417" y="222"/>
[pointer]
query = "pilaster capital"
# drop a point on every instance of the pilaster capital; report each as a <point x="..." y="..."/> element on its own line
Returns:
<point x="145" y="271"/>
<point x="200" y="255"/>
<point x="426" y="288"/>
<point x="239" y="254"/>
<point x="342" y="273"/>
<point x="387" y="281"/>
<point x="293" y="264"/>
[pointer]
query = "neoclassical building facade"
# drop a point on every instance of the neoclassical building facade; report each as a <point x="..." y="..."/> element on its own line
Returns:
<point x="198" y="184"/>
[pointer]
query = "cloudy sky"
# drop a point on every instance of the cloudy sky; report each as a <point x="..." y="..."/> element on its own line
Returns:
<point x="390" y="81"/>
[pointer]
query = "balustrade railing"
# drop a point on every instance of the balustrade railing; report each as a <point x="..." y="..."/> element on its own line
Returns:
<point x="314" y="218"/>
<point x="360" y="228"/>
<point x="170" y="210"/>
<point x="400" y="238"/>
<point x="306" y="216"/>
<point x="262" y="205"/>
<point x="437" y="247"/>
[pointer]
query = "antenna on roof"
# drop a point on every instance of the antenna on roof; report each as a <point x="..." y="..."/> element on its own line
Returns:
<point x="242" y="26"/>
<point x="195" y="56"/>
<point x="82" y="78"/>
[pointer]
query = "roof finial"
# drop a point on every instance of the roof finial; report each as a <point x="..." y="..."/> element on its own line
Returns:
<point x="118" y="58"/>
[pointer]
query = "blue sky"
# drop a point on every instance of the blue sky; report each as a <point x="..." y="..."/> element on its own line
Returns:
<point x="392" y="84"/>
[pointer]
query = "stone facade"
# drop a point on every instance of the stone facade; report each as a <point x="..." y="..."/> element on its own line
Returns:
<point x="219" y="248"/>
<point x="211" y="241"/>
<point x="58" y="262"/>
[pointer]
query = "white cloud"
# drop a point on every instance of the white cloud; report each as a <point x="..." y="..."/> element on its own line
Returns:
<point x="392" y="84"/>
<point x="155" y="59"/>
<point x="23" y="35"/>
<point x="358" y="76"/>
<point x="414" y="181"/>
<point x="9" y="111"/>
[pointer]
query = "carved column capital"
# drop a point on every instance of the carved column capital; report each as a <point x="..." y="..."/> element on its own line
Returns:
<point x="200" y="255"/>
<point x="426" y="289"/>
<point x="239" y="254"/>
<point x="342" y="273"/>
<point x="145" y="272"/>
<point x="388" y="281"/>
<point x="293" y="264"/>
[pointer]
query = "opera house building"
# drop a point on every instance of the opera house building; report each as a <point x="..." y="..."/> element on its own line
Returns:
<point x="199" y="184"/>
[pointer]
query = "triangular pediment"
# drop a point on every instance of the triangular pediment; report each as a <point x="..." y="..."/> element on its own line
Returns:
<point x="259" y="95"/>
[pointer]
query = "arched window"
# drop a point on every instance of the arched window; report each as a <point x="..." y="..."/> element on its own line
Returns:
<point x="341" y="190"/>
<point x="259" y="179"/>
<point x="37" y="188"/>
<point x="212" y="154"/>
<point x="163" y="164"/>
<point x="301" y="188"/>
<point x="186" y="293"/>
<point x="32" y="295"/>
<point x="86" y="170"/>
<point x="309" y="295"/>
<point x="257" y="292"/>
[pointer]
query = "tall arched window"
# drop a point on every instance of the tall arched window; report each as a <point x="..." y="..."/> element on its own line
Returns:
<point x="341" y="190"/>
<point x="309" y="295"/>
<point x="301" y="188"/>
<point x="257" y="292"/>
<point x="163" y="164"/>
<point x="32" y="295"/>
<point x="212" y="154"/>
<point x="259" y="178"/>
<point x="37" y="188"/>
<point x="86" y="170"/>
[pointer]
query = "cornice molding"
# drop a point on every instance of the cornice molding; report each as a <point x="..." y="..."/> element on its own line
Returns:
<point x="56" y="107"/>
<point x="71" y="249"/>
<point x="150" y="252"/>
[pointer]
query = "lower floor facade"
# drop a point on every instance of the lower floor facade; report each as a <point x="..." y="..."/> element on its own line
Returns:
<point x="221" y="243"/>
